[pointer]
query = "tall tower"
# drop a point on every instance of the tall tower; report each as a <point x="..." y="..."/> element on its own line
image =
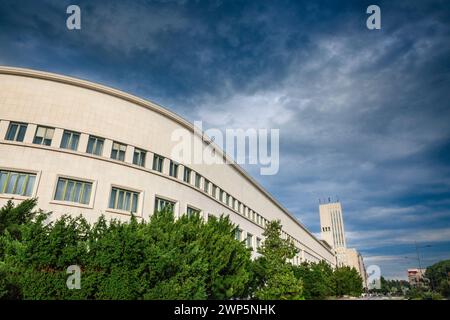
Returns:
<point x="332" y="224"/>
<point x="332" y="229"/>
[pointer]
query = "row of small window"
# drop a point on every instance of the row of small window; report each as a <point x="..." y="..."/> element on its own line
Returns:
<point x="248" y="239"/>
<point x="326" y="229"/>
<point x="77" y="191"/>
<point x="70" y="139"/>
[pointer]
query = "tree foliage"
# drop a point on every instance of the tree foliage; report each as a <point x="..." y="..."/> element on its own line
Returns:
<point x="274" y="277"/>
<point x="347" y="281"/>
<point x="165" y="258"/>
<point x="439" y="277"/>
<point x="317" y="279"/>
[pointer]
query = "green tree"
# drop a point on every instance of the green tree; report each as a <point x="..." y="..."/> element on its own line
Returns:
<point x="317" y="279"/>
<point x="163" y="258"/>
<point x="274" y="277"/>
<point x="439" y="277"/>
<point x="347" y="281"/>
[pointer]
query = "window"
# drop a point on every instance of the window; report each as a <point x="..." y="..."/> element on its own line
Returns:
<point x="228" y="200"/>
<point x="249" y="241"/>
<point x="162" y="204"/>
<point x="187" y="175"/>
<point x="238" y="234"/>
<point x="118" y="151"/>
<point x="95" y="145"/>
<point x="173" y="169"/>
<point x="125" y="200"/>
<point x="197" y="180"/>
<point x="214" y="191"/>
<point x="16" y="132"/>
<point x="139" y="157"/>
<point x="17" y="183"/>
<point x="192" y="211"/>
<point x="43" y="136"/>
<point x="206" y="186"/>
<point x="222" y="196"/>
<point x="70" y="140"/>
<point x="235" y="205"/>
<point x="158" y="163"/>
<point x="258" y="242"/>
<point x="73" y="191"/>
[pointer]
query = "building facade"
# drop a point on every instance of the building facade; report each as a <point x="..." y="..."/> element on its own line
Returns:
<point x="83" y="148"/>
<point x="333" y="232"/>
<point x="416" y="277"/>
<point x="332" y="229"/>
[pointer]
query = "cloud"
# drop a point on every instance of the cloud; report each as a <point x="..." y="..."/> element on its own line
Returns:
<point x="363" y="115"/>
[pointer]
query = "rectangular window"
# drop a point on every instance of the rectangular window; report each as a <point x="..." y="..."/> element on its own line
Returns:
<point x="125" y="200"/>
<point x="206" y="186"/>
<point x="73" y="191"/>
<point x="222" y="196"/>
<point x="70" y="140"/>
<point x="17" y="183"/>
<point x="158" y="163"/>
<point x="258" y="242"/>
<point x="249" y="241"/>
<point x="197" y="180"/>
<point x="139" y="157"/>
<point x="238" y="234"/>
<point x="162" y="204"/>
<point x="228" y="202"/>
<point x="118" y="151"/>
<point x="192" y="211"/>
<point x="173" y="169"/>
<point x="95" y="145"/>
<point x="43" y="136"/>
<point x="187" y="175"/>
<point x="214" y="191"/>
<point x="16" y="131"/>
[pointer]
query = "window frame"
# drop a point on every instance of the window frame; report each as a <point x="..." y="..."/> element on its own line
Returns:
<point x="95" y="144"/>
<point x="196" y="210"/>
<point x="70" y="140"/>
<point x="162" y="198"/>
<point x="19" y="125"/>
<point x="173" y="169"/>
<point x="119" y="150"/>
<point x="142" y="157"/>
<point x="140" y="195"/>
<point x="189" y="170"/>
<point x="70" y="202"/>
<point x="44" y="137"/>
<point x="198" y="180"/>
<point x="158" y="163"/>
<point x="19" y="172"/>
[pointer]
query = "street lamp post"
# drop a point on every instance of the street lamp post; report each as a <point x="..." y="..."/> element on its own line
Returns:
<point x="418" y="259"/>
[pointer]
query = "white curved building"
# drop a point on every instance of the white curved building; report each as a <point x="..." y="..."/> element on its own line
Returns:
<point x="83" y="148"/>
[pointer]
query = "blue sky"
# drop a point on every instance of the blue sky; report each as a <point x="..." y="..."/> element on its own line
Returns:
<point x="363" y="115"/>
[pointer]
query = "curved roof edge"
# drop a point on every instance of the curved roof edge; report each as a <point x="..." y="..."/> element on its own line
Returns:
<point x="25" y="72"/>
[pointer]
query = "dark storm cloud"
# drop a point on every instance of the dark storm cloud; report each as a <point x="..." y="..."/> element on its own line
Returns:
<point x="363" y="114"/>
